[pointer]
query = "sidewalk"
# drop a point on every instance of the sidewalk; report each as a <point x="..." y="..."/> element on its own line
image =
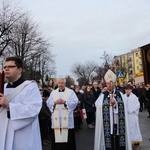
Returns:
<point x="145" y="130"/>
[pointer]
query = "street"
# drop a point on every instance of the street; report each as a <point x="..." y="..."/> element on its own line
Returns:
<point x="85" y="137"/>
<point x="145" y="130"/>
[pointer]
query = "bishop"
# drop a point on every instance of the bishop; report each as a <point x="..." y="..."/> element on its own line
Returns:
<point x="111" y="130"/>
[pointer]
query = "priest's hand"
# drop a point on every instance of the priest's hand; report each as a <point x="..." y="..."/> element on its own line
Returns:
<point x="112" y="101"/>
<point x="60" y="101"/>
<point x="3" y="101"/>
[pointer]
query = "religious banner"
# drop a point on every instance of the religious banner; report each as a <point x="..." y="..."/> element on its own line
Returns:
<point x="145" y="52"/>
<point x="1" y="81"/>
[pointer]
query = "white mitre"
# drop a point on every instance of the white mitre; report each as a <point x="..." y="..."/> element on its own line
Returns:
<point x="110" y="76"/>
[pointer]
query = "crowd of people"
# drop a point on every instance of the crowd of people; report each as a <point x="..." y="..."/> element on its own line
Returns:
<point x="59" y="111"/>
<point x="87" y="96"/>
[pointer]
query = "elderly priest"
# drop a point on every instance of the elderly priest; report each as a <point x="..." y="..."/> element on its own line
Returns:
<point x="111" y="132"/>
<point x="61" y="103"/>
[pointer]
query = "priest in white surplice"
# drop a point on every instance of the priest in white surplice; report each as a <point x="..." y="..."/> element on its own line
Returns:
<point x="20" y="106"/>
<point x="111" y="130"/>
<point x="133" y="107"/>
<point x="61" y="103"/>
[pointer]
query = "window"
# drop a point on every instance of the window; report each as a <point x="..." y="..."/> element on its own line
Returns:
<point x="136" y="54"/>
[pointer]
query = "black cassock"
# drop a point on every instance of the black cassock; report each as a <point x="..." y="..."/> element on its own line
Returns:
<point x="70" y="145"/>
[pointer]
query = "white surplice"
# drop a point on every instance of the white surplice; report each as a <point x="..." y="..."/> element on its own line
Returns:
<point x="99" y="142"/>
<point x="21" y="131"/>
<point x="71" y="104"/>
<point x="133" y="107"/>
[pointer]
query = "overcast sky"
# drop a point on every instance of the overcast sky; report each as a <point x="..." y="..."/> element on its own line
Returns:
<point x="81" y="30"/>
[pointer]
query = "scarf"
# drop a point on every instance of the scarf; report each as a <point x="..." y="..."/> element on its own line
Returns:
<point x="106" y="120"/>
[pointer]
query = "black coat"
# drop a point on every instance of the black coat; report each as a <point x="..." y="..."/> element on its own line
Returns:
<point x="142" y="93"/>
<point x="81" y="99"/>
<point x="96" y="93"/>
<point x="135" y="91"/>
<point x="121" y="89"/>
<point x="89" y="101"/>
<point x="148" y="99"/>
<point x="148" y="94"/>
<point x="45" y="112"/>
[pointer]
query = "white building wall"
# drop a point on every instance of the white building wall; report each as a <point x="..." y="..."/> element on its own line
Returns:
<point x="139" y="79"/>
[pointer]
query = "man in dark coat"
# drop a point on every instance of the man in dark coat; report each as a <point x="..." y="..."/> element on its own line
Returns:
<point x="148" y="98"/>
<point x="121" y="88"/>
<point x="77" y="116"/>
<point x="142" y="93"/>
<point x="44" y="117"/>
<point x="96" y="90"/>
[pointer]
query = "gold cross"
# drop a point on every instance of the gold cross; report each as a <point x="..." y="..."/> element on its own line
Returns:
<point x="65" y="118"/>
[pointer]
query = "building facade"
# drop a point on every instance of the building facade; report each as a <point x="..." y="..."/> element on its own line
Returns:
<point x="138" y="67"/>
<point x="131" y="64"/>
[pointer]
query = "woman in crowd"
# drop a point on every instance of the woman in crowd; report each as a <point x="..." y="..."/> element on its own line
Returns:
<point x="89" y="101"/>
<point x="77" y="116"/>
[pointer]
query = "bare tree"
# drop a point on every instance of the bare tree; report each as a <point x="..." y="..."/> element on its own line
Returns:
<point x="46" y="65"/>
<point x="79" y="70"/>
<point x="26" y="42"/>
<point x="8" y="17"/>
<point x="20" y="36"/>
<point x="85" y="72"/>
<point x="107" y="62"/>
<point x="69" y="81"/>
<point x="52" y="71"/>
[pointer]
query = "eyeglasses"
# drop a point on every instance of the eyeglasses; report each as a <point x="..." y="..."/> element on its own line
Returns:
<point x="9" y="67"/>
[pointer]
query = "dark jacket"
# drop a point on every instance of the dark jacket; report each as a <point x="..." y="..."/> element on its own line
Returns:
<point x="142" y="93"/>
<point x="148" y="94"/>
<point x="148" y="99"/>
<point x="80" y="98"/>
<point x="135" y="91"/>
<point x="96" y="93"/>
<point x="45" y="112"/>
<point x="89" y="100"/>
<point x="121" y="89"/>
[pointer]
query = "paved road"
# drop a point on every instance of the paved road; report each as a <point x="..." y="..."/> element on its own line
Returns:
<point x="85" y="137"/>
<point x="145" y="130"/>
